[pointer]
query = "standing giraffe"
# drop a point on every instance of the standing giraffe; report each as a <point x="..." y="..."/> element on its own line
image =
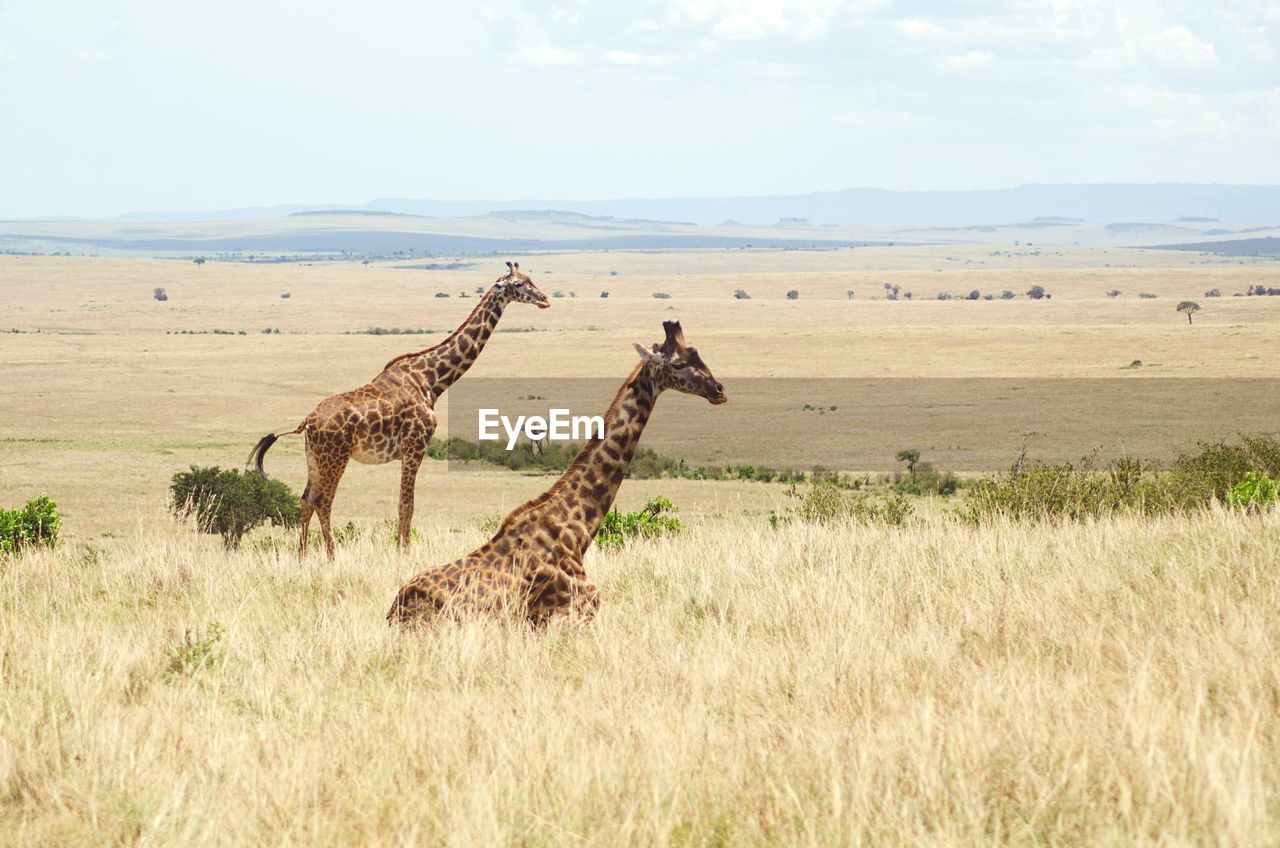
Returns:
<point x="393" y="416"/>
<point x="533" y="565"/>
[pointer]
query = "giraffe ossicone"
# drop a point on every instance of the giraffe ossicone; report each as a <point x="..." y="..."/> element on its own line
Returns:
<point x="532" y="567"/>
<point x="392" y="417"/>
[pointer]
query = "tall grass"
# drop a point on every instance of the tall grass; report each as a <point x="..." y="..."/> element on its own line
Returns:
<point x="1114" y="682"/>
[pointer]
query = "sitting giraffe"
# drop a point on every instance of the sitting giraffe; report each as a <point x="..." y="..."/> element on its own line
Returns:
<point x="533" y="565"/>
<point x="393" y="416"/>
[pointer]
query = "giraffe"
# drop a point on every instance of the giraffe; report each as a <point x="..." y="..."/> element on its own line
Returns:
<point x="532" y="567"/>
<point x="393" y="416"/>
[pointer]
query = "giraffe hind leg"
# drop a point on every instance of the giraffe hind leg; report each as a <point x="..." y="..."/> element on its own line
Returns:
<point x="304" y="518"/>
<point x="323" y="500"/>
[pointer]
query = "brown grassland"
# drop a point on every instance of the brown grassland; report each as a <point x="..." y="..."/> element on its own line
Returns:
<point x="1104" y="683"/>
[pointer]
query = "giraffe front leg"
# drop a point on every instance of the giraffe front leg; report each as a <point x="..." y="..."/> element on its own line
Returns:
<point x="408" y="480"/>
<point x="584" y="598"/>
<point x="561" y="589"/>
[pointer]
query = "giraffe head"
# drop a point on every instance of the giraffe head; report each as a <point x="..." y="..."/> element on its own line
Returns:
<point x="674" y="365"/>
<point x="516" y="286"/>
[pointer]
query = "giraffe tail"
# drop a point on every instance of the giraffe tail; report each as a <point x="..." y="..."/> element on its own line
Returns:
<point x="264" y="444"/>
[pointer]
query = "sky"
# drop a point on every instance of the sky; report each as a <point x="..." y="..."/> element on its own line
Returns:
<point x="111" y="106"/>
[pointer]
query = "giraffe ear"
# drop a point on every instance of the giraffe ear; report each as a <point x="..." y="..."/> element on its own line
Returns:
<point x="648" y="355"/>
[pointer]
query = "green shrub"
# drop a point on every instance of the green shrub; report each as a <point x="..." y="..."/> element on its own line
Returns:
<point x="1255" y="491"/>
<point x="195" y="652"/>
<point x="1088" y="490"/>
<point x="231" y="503"/>
<point x="618" y="528"/>
<point x="35" y="524"/>
<point x="825" y="502"/>
<point x="927" y="481"/>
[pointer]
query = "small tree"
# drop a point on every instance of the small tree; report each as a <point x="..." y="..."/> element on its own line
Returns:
<point x="1190" y="307"/>
<point x="231" y="503"/>
<point x="911" y="457"/>
<point x="1036" y="292"/>
<point x="199" y="260"/>
<point x="160" y="294"/>
<point x="34" y="525"/>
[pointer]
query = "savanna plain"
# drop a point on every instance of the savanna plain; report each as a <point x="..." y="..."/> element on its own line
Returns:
<point x="745" y="681"/>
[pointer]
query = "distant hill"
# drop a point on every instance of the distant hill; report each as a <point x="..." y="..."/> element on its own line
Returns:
<point x="1232" y="247"/>
<point x="1094" y="202"/>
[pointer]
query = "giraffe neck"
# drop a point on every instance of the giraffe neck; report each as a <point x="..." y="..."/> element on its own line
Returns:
<point x="593" y="478"/>
<point x="439" y="367"/>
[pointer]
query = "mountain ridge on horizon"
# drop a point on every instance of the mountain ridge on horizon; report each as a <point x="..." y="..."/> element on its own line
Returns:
<point x="851" y="206"/>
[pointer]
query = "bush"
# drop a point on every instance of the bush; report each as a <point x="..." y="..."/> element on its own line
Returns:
<point x="973" y="295"/>
<point x="1213" y="293"/>
<point x="1036" y="292"/>
<point x="1113" y="293"/>
<point x="927" y="480"/>
<point x="618" y="528"/>
<point x="36" y="524"/>
<point x="794" y="294"/>
<point x="160" y="294"/>
<point x="231" y="503"/>
<point x="1255" y="491"/>
<point x="1007" y="295"/>
<point x="662" y="295"/>
<point x="824" y="502"/>
<point x="604" y="294"/>
<point x="1147" y="295"/>
<point x="739" y="294"/>
<point x="196" y="652"/>
<point x="1088" y="490"/>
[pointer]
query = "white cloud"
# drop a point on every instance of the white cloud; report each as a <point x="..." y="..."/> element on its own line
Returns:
<point x="632" y="58"/>
<point x="881" y="119"/>
<point x="545" y="56"/>
<point x="973" y="60"/>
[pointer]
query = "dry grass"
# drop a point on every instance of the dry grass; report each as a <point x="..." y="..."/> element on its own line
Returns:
<point x="100" y="402"/>
<point x="1113" y="683"/>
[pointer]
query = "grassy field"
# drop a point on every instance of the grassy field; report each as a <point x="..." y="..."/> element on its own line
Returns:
<point x="105" y="396"/>
<point x="1105" y="684"/>
<point x="1109" y="683"/>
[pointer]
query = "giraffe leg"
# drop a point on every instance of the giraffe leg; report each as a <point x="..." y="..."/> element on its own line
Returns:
<point x="323" y="498"/>
<point x="408" y="478"/>
<point x="304" y="518"/>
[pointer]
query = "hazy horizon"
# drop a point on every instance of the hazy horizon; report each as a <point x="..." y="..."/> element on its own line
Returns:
<point x="136" y="106"/>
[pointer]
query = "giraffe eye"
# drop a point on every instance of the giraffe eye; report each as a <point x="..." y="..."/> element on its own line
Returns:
<point x="679" y="365"/>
